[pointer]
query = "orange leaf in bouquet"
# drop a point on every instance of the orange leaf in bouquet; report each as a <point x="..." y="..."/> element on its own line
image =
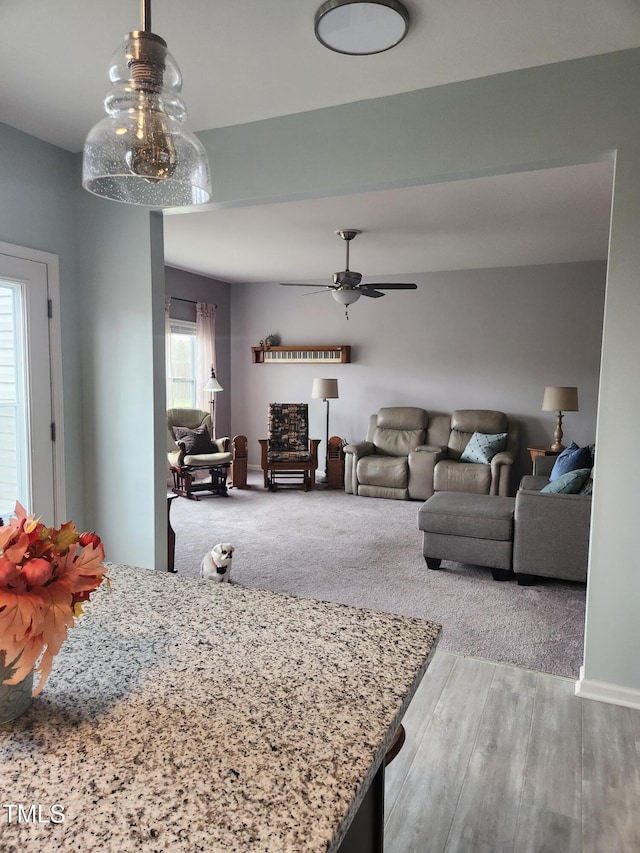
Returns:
<point x="20" y="615"/>
<point x="57" y="618"/>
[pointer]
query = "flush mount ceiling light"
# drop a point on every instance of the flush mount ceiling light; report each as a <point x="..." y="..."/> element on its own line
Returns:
<point x="143" y="153"/>
<point x="361" y="27"/>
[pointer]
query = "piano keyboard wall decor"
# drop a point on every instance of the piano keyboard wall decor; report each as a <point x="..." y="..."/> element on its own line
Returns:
<point x="324" y="354"/>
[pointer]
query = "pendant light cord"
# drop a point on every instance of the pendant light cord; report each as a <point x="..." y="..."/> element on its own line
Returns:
<point x="146" y="16"/>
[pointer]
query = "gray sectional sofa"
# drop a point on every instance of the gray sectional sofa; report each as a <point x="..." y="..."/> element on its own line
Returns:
<point x="551" y="537"/>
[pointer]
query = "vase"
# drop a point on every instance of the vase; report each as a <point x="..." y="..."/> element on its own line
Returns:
<point x="15" y="698"/>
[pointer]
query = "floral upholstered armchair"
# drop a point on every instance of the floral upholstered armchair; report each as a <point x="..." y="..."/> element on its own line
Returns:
<point x="288" y="454"/>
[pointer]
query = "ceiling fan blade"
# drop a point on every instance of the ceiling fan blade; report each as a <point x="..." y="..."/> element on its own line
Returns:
<point x="369" y="291"/>
<point x="296" y="284"/>
<point x="392" y="286"/>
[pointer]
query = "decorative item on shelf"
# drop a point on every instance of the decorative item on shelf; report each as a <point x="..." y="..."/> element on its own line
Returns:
<point x="143" y="153"/>
<point x="361" y="27"/>
<point x="559" y="399"/>
<point x="45" y="575"/>
<point x="213" y="386"/>
<point x="272" y="341"/>
<point x="325" y="389"/>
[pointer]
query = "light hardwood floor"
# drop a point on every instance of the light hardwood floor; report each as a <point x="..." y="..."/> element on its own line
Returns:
<point x="505" y="760"/>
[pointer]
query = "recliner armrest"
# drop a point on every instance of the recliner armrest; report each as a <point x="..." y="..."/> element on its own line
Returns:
<point x="532" y="483"/>
<point x="360" y="448"/>
<point x="431" y="448"/>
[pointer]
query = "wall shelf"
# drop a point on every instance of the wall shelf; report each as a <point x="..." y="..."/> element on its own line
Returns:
<point x="322" y="354"/>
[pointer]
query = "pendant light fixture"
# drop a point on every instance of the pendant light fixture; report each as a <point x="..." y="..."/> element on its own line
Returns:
<point x="361" y="27"/>
<point x="142" y="152"/>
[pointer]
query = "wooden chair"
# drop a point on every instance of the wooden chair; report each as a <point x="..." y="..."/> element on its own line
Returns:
<point x="288" y="454"/>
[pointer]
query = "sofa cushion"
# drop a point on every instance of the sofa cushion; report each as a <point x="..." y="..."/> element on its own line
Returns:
<point x="571" y="458"/>
<point x="195" y="441"/>
<point x="451" y="476"/>
<point x="398" y="442"/>
<point x="464" y="422"/>
<point x="482" y="447"/>
<point x="569" y="483"/>
<point x="388" y="471"/>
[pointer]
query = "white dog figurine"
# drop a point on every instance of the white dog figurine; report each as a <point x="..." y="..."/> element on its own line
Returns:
<point x="216" y="564"/>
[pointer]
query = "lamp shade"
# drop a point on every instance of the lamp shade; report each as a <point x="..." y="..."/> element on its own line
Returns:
<point x="560" y="399"/>
<point x="213" y="385"/>
<point x="325" y="389"/>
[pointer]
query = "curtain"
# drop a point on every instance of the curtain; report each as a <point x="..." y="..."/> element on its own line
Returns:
<point x="167" y="350"/>
<point x="205" y="353"/>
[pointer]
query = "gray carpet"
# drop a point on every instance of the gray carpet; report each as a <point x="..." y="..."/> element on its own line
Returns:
<point x="367" y="552"/>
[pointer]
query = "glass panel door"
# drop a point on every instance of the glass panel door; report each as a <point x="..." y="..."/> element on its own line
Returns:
<point x="26" y="442"/>
<point x="14" y="450"/>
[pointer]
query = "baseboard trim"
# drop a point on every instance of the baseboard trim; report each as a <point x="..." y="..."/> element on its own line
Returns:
<point x="604" y="691"/>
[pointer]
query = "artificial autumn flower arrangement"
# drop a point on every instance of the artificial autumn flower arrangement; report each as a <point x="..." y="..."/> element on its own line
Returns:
<point x="45" y="575"/>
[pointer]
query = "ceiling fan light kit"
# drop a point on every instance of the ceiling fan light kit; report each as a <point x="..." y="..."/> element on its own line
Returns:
<point x="361" y="27"/>
<point x="142" y="152"/>
<point x="347" y="285"/>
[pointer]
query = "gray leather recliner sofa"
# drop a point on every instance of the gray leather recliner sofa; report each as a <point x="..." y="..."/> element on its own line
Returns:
<point x="408" y="454"/>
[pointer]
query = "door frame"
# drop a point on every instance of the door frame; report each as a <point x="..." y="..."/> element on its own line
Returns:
<point x="52" y="265"/>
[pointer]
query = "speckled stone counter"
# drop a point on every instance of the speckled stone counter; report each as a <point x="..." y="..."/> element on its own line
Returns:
<point x="184" y="715"/>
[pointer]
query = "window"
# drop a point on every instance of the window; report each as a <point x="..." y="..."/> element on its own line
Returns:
<point x="181" y="381"/>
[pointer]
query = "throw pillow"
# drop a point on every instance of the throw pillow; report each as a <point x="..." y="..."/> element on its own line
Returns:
<point x="571" y="459"/>
<point x="195" y="441"/>
<point x="569" y="483"/>
<point x="482" y="447"/>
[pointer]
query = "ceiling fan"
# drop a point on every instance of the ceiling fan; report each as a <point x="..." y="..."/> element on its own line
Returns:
<point x="347" y="287"/>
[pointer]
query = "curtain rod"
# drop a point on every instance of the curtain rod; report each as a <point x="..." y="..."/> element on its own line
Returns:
<point x="192" y="301"/>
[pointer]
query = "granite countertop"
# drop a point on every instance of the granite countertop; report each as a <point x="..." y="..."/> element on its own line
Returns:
<point x="186" y="715"/>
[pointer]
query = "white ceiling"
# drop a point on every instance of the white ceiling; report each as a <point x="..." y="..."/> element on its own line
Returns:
<point x="244" y="60"/>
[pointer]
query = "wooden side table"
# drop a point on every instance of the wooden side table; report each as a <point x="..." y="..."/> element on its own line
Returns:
<point x="539" y="450"/>
<point x="171" y="536"/>
<point x="335" y="463"/>
<point x="238" y="479"/>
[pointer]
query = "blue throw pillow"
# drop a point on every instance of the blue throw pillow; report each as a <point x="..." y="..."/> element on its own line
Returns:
<point x="482" y="447"/>
<point x="569" y="483"/>
<point x="571" y="459"/>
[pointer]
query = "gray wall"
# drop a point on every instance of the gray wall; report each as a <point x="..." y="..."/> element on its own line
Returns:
<point x="488" y="338"/>
<point x="199" y="288"/>
<point x="37" y="210"/>
<point x="123" y="378"/>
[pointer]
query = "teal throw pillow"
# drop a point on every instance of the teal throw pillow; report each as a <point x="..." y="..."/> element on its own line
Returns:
<point x="571" y="458"/>
<point x="482" y="447"/>
<point x="569" y="483"/>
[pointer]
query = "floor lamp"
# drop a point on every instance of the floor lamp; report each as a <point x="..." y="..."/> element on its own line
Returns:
<point x="214" y="386"/>
<point x="325" y="389"/>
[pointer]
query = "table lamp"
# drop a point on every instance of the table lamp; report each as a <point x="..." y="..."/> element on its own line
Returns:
<point x="559" y="399"/>
<point x="325" y="389"/>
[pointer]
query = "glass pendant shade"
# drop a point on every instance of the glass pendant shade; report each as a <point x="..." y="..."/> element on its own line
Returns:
<point x="142" y="152"/>
<point x="346" y="297"/>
